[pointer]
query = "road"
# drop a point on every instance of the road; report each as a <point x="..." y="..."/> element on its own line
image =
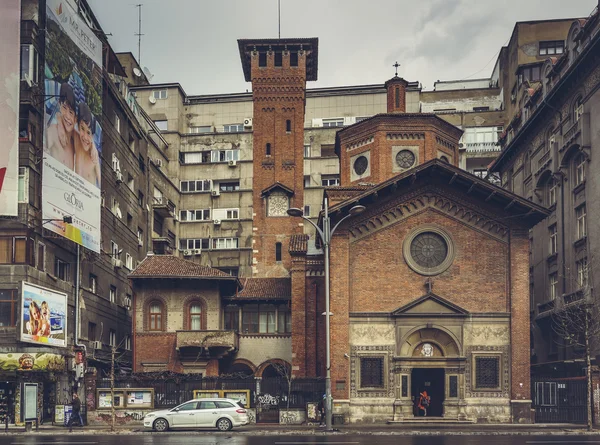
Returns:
<point x="228" y="439"/>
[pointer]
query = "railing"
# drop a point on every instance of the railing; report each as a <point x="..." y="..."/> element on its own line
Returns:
<point x="573" y="297"/>
<point x="544" y="158"/>
<point x="546" y="306"/>
<point x="208" y="339"/>
<point x="573" y="129"/>
<point x="482" y="147"/>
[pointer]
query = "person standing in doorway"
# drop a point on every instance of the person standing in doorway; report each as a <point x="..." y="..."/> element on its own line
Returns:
<point x="75" y="412"/>
<point x="424" y="401"/>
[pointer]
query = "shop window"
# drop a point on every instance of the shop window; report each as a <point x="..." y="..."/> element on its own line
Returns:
<point x="371" y="372"/>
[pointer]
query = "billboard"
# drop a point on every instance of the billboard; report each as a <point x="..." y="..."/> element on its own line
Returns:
<point x="72" y="132"/>
<point x="10" y="39"/>
<point x="43" y="316"/>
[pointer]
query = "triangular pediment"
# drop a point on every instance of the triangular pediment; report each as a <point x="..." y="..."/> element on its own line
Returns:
<point x="430" y="304"/>
<point x="276" y="187"/>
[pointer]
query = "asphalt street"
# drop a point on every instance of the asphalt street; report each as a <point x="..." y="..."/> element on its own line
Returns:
<point x="227" y="439"/>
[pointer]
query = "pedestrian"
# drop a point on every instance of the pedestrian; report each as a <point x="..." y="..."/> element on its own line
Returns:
<point x="75" y="412"/>
<point x="321" y="408"/>
<point x="424" y="401"/>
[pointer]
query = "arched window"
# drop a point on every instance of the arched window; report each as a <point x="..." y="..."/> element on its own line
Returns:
<point x="155" y="322"/>
<point x="195" y="316"/>
<point x="288" y="125"/>
<point x="577" y="109"/>
<point x="552" y="190"/>
<point x="268" y="149"/>
<point x="579" y="164"/>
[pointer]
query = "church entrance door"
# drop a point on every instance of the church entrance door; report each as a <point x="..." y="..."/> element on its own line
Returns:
<point x="432" y="381"/>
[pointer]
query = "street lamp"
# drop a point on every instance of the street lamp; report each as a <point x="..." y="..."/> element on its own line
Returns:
<point x="325" y="235"/>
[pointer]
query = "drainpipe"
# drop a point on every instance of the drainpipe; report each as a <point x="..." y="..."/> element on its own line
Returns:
<point x="77" y="314"/>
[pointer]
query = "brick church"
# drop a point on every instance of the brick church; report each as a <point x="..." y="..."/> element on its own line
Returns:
<point x="429" y="285"/>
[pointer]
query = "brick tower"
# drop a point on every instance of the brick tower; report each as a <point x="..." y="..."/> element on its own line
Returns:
<point x="278" y="70"/>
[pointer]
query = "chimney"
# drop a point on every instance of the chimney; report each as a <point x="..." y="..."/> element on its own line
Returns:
<point x="396" y="95"/>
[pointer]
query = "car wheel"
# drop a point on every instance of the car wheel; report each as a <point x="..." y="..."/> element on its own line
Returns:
<point x="224" y="424"/>
<point x="160" y="425"/>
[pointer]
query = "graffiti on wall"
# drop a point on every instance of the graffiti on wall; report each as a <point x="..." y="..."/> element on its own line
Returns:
<point x="268" y="399"/>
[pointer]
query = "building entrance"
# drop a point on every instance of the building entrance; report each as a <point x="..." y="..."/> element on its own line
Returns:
<point x="432" y="381"/>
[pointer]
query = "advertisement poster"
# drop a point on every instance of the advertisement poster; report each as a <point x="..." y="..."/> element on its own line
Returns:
<point x="44" y="316"/>
<point x="72" y="132"/>
<point x="36" y="361"/>
<point x="10" y="45"/>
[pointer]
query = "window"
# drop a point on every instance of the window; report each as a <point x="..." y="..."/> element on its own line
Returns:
<point x="140" y="237"/>
<point x="553" y="239"/>
<point x="268" y="149"/>
<point x="529" y="73"/>
<point x="307" y="181"/>
<point x="293" y="58"/>
<point x="278" y="58"/>
<point x="232" y="317"/>
<point x="233" y="271"/>
<point x="117" y="123"/>
<point x="582" y="273"/>
<point x="194" y="215"/>
<point x="579" y="169"/>
<point x="114" y="250"/>
<point x="201" y="129"/>
<point x="553" y="285"/>
<point x="159" y="94"/>
<point x="29" y="63"/>
<point x="487" y="372"/>
<point x="128" y="342"/>
<point x="13" y="250"/>
<point x="232" y="214"/>
<point x="41" y="256"/>
<point x="9" y="302"/>
<point x="284" y="319"/>
<point x="328" y="181"/>
<point x="480" y="173"/>
<point x="258" y="319"/>
<point x="307" y="151"/>
<point x="23" y="195"/>
<point x="128" y="261"/>
<point x="233" y="128"/>
<point x="277" y="251"/>
<point x="162" y="125"/>
<point x="225" y="243"/>
<point x="62" y="269"/>
<point x="288" y="126"/>
<point x="397" y="91"/>
<point x="580" y="215"/>
<point x="224" y="155"/>
<point x="306" y="210"/>
<point x="262" y="59"/>
<point x="112" y="294"/>
<point x="578" y="110"/>
<point x="195" y="320"/>
<point x="127" y="301"/>
<point x="229" y="186"/>
<point x="328" y="150"/>
<point x="337" y="122"/>
<point x="250" y="319"/>
<point x="371" y="372"/>
<point x="142" y="163"/>
<point x="552" y="189"/>
<point x="140" y="198"/>
<point x="193" y="243"/>
<point x="112" y="338"/>
<point x="93" y="283"/>
<point x="156" y="316"/>
<point x="91" y="331"/>
<point x="552" y="47"/>
<point x="202" y="185"/>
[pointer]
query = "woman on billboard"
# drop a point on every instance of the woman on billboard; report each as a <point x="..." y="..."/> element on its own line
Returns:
<point x="86" y="154"/>
<point x="59" y="135"/>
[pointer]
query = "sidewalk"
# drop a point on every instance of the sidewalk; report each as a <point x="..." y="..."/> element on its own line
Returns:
<point x="374" y="429"/>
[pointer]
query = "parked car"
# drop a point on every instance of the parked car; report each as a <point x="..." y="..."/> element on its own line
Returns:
<point x="222" y="414"/>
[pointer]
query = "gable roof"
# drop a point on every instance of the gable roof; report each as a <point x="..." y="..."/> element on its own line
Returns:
<point x="512" y="205"/>
<point x="169" y="266"/>
<point x="275" y="186"/>
<point x="265" y="289"/>
<point x="430" y="304"/>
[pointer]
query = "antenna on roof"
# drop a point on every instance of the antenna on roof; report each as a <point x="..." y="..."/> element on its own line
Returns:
<point x="139" y="33"/>
<point x="279" y="14"/>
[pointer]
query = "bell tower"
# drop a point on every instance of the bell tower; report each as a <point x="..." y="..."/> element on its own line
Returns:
<point x="278" y="70"/>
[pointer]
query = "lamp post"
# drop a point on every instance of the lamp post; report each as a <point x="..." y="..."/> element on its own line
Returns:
<point x="325" y="235"/>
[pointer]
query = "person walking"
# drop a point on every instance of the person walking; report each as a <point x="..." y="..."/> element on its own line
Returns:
<point x="76" y="411"/>
<point x="424" y="401"/>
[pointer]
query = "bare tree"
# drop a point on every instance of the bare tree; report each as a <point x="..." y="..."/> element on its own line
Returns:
<point x="285" y="371"/>
<point x="576" y="321"/>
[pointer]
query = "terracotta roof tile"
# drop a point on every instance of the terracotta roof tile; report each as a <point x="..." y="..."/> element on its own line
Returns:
<point x="168" y="266"/>
<point x="298" y="243"/>
<point x="265" y="289"/>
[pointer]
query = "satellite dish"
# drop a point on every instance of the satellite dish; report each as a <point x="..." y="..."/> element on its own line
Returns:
<point x="152" y="99"/>
<point x="137" y="72"/>
<point x="148" y="74"/>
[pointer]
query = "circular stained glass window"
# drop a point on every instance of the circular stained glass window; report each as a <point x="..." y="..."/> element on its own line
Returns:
<point x="405" y="159"/>
<point x="360" y="165"/>
<point x="428" y="249"/>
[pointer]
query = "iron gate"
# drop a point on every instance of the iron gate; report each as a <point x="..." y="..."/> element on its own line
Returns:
<point x="559" y="401"/>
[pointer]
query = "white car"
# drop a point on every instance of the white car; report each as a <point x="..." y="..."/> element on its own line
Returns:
<point x="222" y="414"/>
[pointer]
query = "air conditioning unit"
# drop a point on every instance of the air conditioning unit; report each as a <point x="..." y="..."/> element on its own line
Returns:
<point x="232" y="163"/>
<point x="117" y="263"/>
<point x="140" y="243"/>
<point x="97" y="344"/>
<point x="119" y="177"/>
<point x="187" y="252"/>
<point x="248" y="122"/>
<point x="215" y="193"/>
<point x="29" y="82"/>
<point x="217" y="222"/>
<point x="196" y="251"/>
<point x="158" y="162"/>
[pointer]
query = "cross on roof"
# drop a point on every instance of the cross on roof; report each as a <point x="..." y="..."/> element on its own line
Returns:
<point x="396" y="65"/>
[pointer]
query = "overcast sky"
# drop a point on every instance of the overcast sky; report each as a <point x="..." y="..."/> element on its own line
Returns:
<point x="194" y="42"/>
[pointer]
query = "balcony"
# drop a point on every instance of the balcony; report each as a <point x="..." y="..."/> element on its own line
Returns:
<point x="578" y="133"/>
<point x="482" y="149"/>
<point x="213" y="344"/>
<point x="573" y="297"/>
<point x="546" y="307"/>
<point x="164" y="207"/>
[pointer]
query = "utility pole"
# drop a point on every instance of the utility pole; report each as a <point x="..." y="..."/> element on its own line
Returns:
<point x="112" y="388"/>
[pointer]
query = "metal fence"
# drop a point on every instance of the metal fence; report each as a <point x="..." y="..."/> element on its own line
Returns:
<point x="560" y="400"/>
